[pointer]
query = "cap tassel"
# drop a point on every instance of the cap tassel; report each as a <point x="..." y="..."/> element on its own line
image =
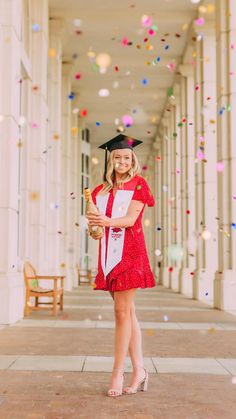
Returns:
<point x="105" y="170"/>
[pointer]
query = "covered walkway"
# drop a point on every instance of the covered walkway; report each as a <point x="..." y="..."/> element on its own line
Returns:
<point x="74" y="74"/>
<point x="58" y="368"/>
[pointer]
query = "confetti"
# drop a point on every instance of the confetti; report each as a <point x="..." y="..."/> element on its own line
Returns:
<point x="206" y="235"/>
<point x="165" y="318"/>
<point x="74" y="130"/>
<point x="175" y="252"/>
<point x="77" y="22"/>
<point x="36" y="27"/>
<point x="220" y="166"/>
<point x="98" y="124"/>
<point x="127" y="120"/>
<point x="125" y="42"/>
<point x="34" y="196"/>
<point x="78" y="76"/>
<point x="146" y="21"/>
<point x="56" y="136"/>
<point x="103" y="60"/>
<point x="52" y="52"/>
<point x="83" y="112"/>
<point x="104" y="93"/>
<point x="71" y="96"/>
<point x="200" y="21"/>
<point x="151" y="32"/>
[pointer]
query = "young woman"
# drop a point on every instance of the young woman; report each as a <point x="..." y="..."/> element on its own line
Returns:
<point x="123" y="264"/>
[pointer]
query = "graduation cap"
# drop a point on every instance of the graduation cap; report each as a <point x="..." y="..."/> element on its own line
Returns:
<point x="117" y="143"/>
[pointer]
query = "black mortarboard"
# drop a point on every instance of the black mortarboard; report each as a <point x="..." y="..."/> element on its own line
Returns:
<point x="117" y="143"/>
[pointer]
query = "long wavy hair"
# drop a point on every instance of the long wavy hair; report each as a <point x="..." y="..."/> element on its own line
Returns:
<point x="110" y="175"/>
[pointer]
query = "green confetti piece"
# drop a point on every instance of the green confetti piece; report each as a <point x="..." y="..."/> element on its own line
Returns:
<point x="170" y="91"/>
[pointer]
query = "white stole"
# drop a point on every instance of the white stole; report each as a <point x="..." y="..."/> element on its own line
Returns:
<point x="115" y="238"/>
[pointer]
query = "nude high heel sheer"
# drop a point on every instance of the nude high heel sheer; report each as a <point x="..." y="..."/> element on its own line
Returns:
<point x="114" y="392"/>
<point x="141" y="385"/>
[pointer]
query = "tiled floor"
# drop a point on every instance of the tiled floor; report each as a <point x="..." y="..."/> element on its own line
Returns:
<point x="60" y="367"/>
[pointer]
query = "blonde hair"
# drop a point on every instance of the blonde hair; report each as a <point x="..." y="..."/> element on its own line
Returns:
<point x="110" y="175"/>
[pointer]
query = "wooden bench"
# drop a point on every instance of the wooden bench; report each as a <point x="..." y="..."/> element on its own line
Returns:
<point x="88" y="274"/>
<point x="33" y="289"/>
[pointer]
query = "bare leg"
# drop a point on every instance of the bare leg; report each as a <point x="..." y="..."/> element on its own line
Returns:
<point x="123" y="302"/>
<point x="135" y="348"/>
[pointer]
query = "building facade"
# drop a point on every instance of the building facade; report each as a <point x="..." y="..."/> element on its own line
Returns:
<point x="46" y="150"/>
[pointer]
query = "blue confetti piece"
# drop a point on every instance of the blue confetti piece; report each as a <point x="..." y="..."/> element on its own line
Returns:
<point x="71" y="96"/>
<point x="167" y="47"/>
<point x="36" y="27"/>
<point x="234" y="225"/>
<point x="144" y="81"/>
<point x="158" y="59"/>
<point x="98" y="124"/>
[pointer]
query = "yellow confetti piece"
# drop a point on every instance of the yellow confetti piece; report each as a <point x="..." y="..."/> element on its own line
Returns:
<point x="34" y="196"/>
<point x="52" y="52"/>
<point x="211" y="330"/>
<point x="56" y="136"/>
<point x="149" y="332"/>
<point x="202" y="9"/>
<point x="74" y="130"/>
<point x="62" y="265"/>
<point x="211" y="8"/>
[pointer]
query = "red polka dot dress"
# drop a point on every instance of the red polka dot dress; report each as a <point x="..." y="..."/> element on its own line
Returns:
<point x="133" y="270"/>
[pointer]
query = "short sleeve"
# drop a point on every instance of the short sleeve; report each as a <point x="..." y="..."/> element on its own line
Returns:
<point x="142" y="193"/>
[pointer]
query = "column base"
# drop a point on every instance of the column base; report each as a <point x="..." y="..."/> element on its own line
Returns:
<point x="186" y="282"/>
<point x="165" y="277"/>
<point x="11" y="298"/>
<point x="203" y="286"/>
<point x="174" y="279"/>
<point x="225" y="290"/>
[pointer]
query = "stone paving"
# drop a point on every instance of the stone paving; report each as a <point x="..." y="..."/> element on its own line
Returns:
<point x="60" y="367"/>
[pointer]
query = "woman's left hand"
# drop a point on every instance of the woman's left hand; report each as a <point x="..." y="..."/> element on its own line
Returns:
<point x="98" y="219"/>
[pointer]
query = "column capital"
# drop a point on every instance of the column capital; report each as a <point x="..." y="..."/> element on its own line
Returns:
<point x="186" y="70"/>
<point x="208" y="28"/>
<point x="67" y="67"/>
<point x="165" y="121"/>
<point x="56" y="25"/>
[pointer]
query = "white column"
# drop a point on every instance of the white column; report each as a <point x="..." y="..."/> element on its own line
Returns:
<point x="157" y="212"/>
<point x="165" y="276"/>
<point x="176" y="219"/>
<point x="206" y="167"/>
<point x="225" y="284"/>
<point x="149" y="216"/>
<point x="54" y="149"/>
<point x="37" y="145"/>
<point x="187" y="176"/>
<point x="66" y="163"/>
<point x="11" y="281"/>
